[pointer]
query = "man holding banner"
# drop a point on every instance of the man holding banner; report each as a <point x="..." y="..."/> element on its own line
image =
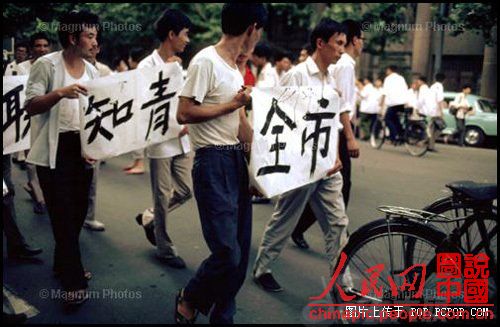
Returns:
<point x="169" y="161"/>
<point x="211" y="102"/>
<point x="53" y="88"/>
<point x="324" y="195"/>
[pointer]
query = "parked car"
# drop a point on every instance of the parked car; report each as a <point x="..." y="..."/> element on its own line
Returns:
<point x="480" y="126"/>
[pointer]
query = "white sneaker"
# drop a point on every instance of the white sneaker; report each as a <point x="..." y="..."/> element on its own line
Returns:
<point x="94" y="225"/>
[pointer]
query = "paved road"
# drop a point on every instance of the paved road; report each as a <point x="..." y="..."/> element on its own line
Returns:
<point x="131" y="286"/>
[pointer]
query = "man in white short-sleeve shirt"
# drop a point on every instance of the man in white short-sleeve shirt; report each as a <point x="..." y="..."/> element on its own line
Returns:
<point x="436" y="110"/>
<point x="394" y="97"/>
<point x="169" y="161"/>
<point x="212" y="102"/>
<point x="325" y="196"/>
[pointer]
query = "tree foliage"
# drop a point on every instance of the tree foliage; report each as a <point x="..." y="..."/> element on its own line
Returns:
<point x="479" y="17"/>
<point x="23" y="19"/>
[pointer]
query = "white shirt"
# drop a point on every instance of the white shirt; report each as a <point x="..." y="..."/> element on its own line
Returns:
<point x="425" y="100"/>
<point x="69" y="110"/>
<point x="370" y="99"/>
<point x="438" y="97"/>
<point x="103" y="69"/>
<point x="24" y="68"/>
<point x="412" y="98"/>
<point x="395" y="90"/>
<point x="461" y="102"/>
<point x="268" y="77"/>
<point x="11" y="69"/>
<point x="211" y="80"/>
<point x="429" y="100"/>
<point x="345" y="77"/>
<point x="307" y="73"/>
<point x="170" y="148"/>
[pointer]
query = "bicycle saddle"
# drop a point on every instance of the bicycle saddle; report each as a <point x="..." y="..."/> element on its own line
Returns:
<point x="476" y="191"/>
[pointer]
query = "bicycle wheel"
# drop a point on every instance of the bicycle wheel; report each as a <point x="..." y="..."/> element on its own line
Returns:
<point x="416" y="138"/>
<point x="377" y="243"/>
<point x="470" y="241"/>
<point x="378" y="133"/>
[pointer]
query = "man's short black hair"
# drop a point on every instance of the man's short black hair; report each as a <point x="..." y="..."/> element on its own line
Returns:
<point x="171" y="20"/>
<point x="369" y="79"/>
<point x="237" y="17"/>
<point x="263" y="50"/>
<point x="422" y="78"/>
<point x="38" y="36"/>
<point x="308" y="48"/>
<point x="73" y="23"/>
<point x="21" y="44"/>
<point x="353" y="29"/>
<point x="137" y="54"/>
<point x="440" y="77"/>
<point x="466" y="86"/>
<point x="116" y="61"/>
<point x="281" y="54"/>
<point x="325" y="29"/>
<point x="394" y="68"/>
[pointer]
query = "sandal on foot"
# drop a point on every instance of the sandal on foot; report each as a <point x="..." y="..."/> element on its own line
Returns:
<point x="179" y="318"/>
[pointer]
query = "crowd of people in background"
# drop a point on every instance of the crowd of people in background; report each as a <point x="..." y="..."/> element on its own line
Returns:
<point x="63" y="184"/>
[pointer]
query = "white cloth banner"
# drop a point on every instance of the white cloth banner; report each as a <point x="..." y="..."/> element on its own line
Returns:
<point x="295" y="137"/>
<point x="130" y="111"/>
<point x="15" y="120"/>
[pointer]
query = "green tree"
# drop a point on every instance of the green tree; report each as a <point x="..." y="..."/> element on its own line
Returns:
<point x="478" y="17"/>
<point x="380" y="22"/>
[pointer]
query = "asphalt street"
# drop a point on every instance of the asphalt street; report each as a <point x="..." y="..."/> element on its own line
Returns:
<point x="130" y="286"/>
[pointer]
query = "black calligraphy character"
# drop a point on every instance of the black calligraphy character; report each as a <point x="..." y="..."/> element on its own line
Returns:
<point x="114" y="112"/>
<point x="128" y="113"/>
<point x="15" y="113"/>
<point x="276" y="130"/>
<point x="275" y="108"/>
<point x="96" y="122"/>
<point x="318" y="130"/>
<point x="163" y="110"/>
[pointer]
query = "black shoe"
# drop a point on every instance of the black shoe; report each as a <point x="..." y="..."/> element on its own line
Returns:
<point x="14" y="319"/>
<point x="149" y="231"/>
<point x="432" y="150"/>
<point x="300" y="241"/>
<point x="25" y="253"/>
<point x="86" y="274"/>
<point x="75" y="298"/>
<point x="179" y="318"/>
<point x="138" y="219"/>
<point x="268" y="283"/>
<point x="174" y="262"/>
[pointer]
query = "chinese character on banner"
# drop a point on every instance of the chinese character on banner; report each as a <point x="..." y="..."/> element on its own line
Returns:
<point x="476" y="275"/>
<point x="161" y="112"/>
<point x="276" y="130"/>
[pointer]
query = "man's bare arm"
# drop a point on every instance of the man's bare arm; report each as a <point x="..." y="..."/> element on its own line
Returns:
<point x="43" y="103"/>
<point x="352" y="144"/>
<point x="191" y="112"/>
<point x="245" y="132"/>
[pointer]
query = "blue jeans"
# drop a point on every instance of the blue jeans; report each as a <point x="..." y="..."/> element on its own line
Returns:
<point x="393" y="122"/>
<point x="220" y="183"/>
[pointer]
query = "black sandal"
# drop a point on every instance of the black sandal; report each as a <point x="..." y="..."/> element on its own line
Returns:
<point x="75" y="298"/>
<point x="179" y="318"/>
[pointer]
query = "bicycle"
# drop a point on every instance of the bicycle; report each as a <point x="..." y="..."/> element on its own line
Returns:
<point x="414" y="135"/>
<point x="407" y="237"/>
